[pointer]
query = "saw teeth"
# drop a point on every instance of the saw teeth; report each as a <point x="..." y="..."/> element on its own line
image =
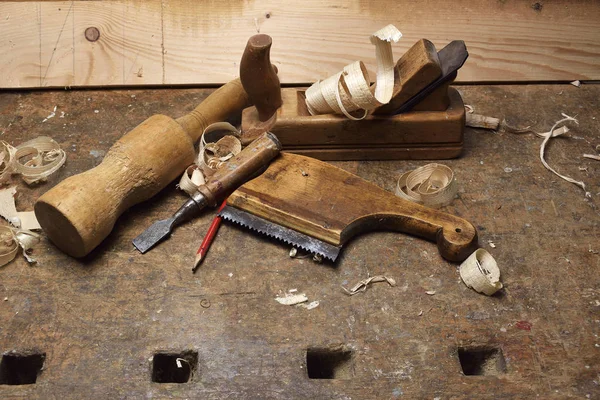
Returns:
<point x="252" y="228"/>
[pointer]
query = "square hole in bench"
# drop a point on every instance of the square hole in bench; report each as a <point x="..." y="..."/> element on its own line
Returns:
<point x="170" y="367"/>
<point x="21" y="368"/>
<point x="326" y="363"/>
<point x="482" y="361"/>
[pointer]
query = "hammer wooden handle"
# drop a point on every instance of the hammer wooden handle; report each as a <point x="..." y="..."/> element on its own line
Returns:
<point x="259" y="76"/>
<point x="78" y="213"/>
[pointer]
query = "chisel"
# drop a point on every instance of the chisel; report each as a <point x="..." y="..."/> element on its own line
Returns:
<point x="226" y="179"/>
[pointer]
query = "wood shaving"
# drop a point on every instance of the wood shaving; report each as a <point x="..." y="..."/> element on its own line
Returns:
<point x="512" y="129"/>
<point x="291" y="299"/>
<point x="481" y="121"/>
<point x="350" y="90"/>
<point x="310" y="306"/>
<point x="190" y="180"/>
<point x="51" y="115"/>
<point x="432" y="185"/>
<point x="11" y="239"/>
<point x="214" y="155"/>
<point x="592" y="156"/>
<point x="25" y="219"/>
<point x="211" y="156"/>
<point x="480" y="272"/>
<point x="34" y="160"/>
<point x="362" y="285"/>
<point x="550" y="135"/>
<point x="553" y="132"/>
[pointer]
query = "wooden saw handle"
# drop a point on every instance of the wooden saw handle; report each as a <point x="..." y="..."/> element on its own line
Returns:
<point x="79" y="212"/>
<point x="330" y="204"/>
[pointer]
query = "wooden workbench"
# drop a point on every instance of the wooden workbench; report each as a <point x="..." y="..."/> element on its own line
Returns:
<point x="100" y="320"/>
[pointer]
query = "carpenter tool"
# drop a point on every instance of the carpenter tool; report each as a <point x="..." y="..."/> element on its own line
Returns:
<point x="431" y="125"/>
<point x="228" y="177"/>
<point x="452" y="58"/>
<point x="80" y="212"/>
<point x="318" y="207"/>
<point x="260" y="81"/>
<point x="208" y="239"/>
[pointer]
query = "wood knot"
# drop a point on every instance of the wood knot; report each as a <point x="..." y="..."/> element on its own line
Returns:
<point x="92" y="34"/>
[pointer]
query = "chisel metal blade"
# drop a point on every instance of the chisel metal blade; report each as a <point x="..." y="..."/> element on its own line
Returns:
<point x="279" y="232"/>
<point x="160" y="230"/>
<point x="157" y="232"/>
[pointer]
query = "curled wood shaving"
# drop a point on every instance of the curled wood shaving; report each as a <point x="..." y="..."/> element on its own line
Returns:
<point x="362" y="285"/>
<point x="547" y="137"/>
<point x="553" y="132"/>
<point x="34" y="160"/>
<point x="190" y="180"/>
<point x="210" y="156"/>
<point x="216" y="154"/>
<point x="11" y="239"/>
<point x="480" y="272"/>
<point x="350" y="89"/>
<point x="512" y="129"/>
<point x="432" y="185"/>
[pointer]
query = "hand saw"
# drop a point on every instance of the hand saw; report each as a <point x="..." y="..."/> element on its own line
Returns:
<point x="318" y="207"/>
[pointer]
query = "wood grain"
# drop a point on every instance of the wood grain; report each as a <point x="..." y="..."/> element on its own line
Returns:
<point x="189" y="42"/>
<point x="320" y="200"/>
<point x="99" y="320"/>
<point x="418" y="135"/>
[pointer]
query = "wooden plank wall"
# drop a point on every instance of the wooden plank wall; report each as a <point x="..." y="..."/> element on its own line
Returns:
<point x="200" y="42"/>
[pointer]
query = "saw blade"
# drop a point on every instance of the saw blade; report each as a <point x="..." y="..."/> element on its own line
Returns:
<point x="279" y="232"/>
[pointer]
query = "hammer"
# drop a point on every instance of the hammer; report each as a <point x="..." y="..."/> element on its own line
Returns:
<point x="79" y="212"/>
<point x="260" y="81"/>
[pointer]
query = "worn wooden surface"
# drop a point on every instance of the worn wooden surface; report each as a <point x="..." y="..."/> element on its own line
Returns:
<point x="143" y="42"/>
<point x="100" y="320"/>
<point x="295" y="192"/>
<point x="420" y="135"/>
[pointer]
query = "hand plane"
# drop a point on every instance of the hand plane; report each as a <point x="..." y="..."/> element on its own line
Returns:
<point x="318" y="207"/>
<point x="425" y="118"/>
